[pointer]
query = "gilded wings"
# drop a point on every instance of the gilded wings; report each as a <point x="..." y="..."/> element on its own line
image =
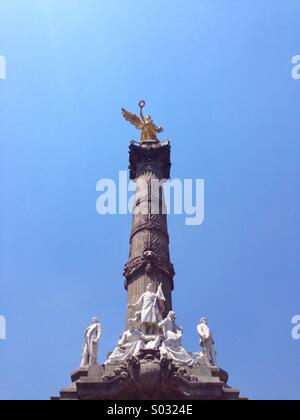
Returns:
<point x="133" y="119"/>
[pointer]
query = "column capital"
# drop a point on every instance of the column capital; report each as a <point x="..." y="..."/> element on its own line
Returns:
<point x="150" y="158"/>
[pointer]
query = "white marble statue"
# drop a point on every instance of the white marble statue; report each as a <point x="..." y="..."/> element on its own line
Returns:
<point x="150" y="314"/>
<point x="130" y="345"/>
<point x="207" y="342"/>
<point x="92" y="337"/>
<point x="172" y="346"/>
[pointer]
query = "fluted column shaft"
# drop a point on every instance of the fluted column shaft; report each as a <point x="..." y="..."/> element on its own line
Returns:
<point x="149" y="259"/>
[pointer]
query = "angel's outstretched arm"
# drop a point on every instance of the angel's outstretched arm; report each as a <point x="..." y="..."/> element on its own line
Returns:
<point x="142" y="115"/>
<point x="158" y="129"/>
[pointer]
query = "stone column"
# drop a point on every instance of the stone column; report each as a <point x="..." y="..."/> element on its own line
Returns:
<point x="149" y="259"/>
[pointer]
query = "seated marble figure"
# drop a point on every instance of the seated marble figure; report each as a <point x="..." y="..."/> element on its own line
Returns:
<point x="131" y="344"/>
<point x="171" y="347"/>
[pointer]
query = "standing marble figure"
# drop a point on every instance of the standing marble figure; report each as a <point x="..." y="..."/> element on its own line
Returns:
<point x="207" y="342"/>
<point x="92" y="337"/>
<point x="150" y="313"/>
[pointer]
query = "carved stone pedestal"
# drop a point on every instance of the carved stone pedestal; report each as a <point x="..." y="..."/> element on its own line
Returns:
<point x="149" y="377"/>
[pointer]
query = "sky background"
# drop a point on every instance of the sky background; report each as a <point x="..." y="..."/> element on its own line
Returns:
<point x="217" y="75"/>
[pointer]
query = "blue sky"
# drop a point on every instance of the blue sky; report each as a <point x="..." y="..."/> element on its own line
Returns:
<point x="217" y="75"/>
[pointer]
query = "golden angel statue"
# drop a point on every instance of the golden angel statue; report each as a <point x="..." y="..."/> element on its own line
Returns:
<point x="146" y="124"/>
